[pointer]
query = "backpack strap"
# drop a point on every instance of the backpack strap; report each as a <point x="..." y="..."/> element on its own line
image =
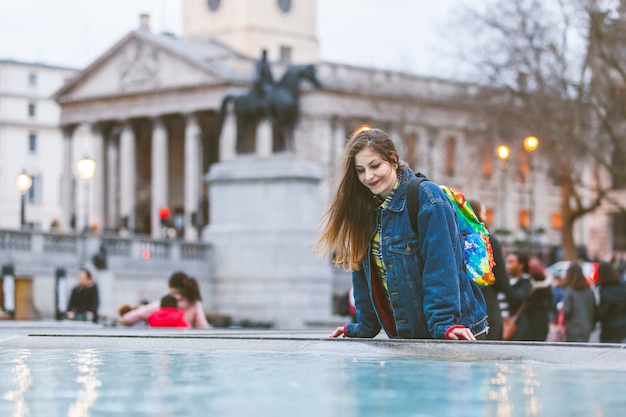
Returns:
<point x="412" y="198"/>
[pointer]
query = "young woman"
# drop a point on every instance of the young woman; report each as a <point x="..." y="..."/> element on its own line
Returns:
<point x="579" y="305"/>
<point x="186" y="291"/>
<point x="410" y="286"/>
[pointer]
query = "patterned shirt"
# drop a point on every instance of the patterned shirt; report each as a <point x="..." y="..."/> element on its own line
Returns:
<point x="376" y="254"/>
<point x="380" y="293"/>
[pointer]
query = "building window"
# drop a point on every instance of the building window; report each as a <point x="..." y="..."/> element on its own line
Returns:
<point x="488" y="220"/>
<point x="284" y="5"/>
<point x="214" y="5"/>
<point x="557" y="221"/>
<point x="32" y="79"/>
<point x="450" y="156"/>
<point x="410" y="150"/>
<point x="619" y="231"/>
<point x="32" y="142"/>
<point x="524" y="219"/>
<point x="285" y="54"/>
<point x="32" y="110"/>
<point x="33" y="195"/>
<point x="487" y="165"/>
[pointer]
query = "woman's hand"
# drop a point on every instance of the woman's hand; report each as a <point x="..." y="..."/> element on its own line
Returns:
<point x="338" y="332"/>
<point x="460" y="333"/>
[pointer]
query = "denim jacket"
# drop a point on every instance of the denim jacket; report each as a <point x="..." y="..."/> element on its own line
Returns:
<point x="428" y="289"/>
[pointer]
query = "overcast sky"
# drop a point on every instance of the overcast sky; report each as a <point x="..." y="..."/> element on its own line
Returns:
<point x="403" y="35"/>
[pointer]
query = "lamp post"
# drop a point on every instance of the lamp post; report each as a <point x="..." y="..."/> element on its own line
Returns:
<point x="23" y="183"/>
<point x="531" y="143"/>
<point x="503" y="153"/>
<point x="86" y="170"/>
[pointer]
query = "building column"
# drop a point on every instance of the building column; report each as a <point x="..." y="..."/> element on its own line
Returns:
<point x="112" y="181"/>
<point x="228" y="137"/>
<point x="128" y="173"/>
<point x="97" y="182"/>
<point x="431" y="135"/>
<point x="193" y="173"/>
<point x="159" y="184"/>
<point x="67" y="205"/>
<point x="84" y="146"/>
<point x="338" y="139"/>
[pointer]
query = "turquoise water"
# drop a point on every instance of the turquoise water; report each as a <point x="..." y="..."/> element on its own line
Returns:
<point x="173" y="383"/>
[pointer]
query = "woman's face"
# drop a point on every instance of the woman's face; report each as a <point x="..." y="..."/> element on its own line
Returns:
<point x="378" y="175"/>
<point x="83" y="279"/>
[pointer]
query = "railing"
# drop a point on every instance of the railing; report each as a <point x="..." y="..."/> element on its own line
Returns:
<point x="32" y="248"/>
<point x="55" y="243"/>
<point x="15" y="240"/>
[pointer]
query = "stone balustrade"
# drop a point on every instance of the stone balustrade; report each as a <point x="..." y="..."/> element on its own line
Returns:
<point x="136" y="266"/>
<point x="31" y="250"/>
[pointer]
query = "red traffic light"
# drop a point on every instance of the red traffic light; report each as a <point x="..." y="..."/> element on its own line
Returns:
<point x="164" y="213"/>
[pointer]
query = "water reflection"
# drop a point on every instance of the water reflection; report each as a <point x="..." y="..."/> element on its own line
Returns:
<point x="88" y="365"/>
<point x="24" y="381"/>
<point x="166" y="384"/>
<point x="530" y="382"/>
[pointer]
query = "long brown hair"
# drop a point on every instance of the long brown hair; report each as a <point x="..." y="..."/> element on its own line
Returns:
<point x="349" y="219"/>
<point x="575" y="278"/>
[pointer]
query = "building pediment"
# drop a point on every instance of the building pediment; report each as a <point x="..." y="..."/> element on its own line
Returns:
<point x="144" y="62"/>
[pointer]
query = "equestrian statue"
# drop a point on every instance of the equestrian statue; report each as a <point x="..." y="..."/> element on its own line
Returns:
<point x="269" y="100"/>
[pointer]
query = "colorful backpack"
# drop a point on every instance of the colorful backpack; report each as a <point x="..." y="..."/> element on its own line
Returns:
<point x="477" y="247"/>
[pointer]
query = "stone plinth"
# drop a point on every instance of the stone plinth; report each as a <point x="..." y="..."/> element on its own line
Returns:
<point x="264" y="218"/>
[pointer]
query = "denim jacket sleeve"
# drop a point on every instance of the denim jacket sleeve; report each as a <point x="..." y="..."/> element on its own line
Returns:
<point x="442" y="257"/>
<point x="367" y="324"/>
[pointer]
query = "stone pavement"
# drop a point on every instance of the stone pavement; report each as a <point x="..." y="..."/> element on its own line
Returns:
<point x="74" y="335"/>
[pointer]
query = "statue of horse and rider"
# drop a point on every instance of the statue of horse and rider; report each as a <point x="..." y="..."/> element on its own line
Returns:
<point x="267" y="99"/>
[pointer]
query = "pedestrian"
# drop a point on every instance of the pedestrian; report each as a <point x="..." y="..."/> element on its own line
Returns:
<point x="517" y="299"/>
<point x="579" y="304"/>
<point x="187" y="292"/>
<point x="611" y="312"/>
<point x="169" y="315"/>
<point x="539" y="304"/>
<point x="410" y="286"/>
<point x="501" y="284"/>
<point x="84" y="300"/>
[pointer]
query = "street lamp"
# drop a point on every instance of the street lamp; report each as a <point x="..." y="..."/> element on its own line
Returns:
<point x="86" y="169"/>
<point x="23" y="183"/>
<point x="531" y="143"/>
<point x="503" y="153"/>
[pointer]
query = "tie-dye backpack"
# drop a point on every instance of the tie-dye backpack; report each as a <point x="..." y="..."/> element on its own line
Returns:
<point x="477" y="247"/>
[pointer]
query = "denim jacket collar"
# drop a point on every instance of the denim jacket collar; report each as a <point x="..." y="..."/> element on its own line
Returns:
<point x="398" y="201"/>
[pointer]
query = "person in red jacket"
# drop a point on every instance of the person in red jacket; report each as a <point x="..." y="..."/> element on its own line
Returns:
<point x="169" y="315"/>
